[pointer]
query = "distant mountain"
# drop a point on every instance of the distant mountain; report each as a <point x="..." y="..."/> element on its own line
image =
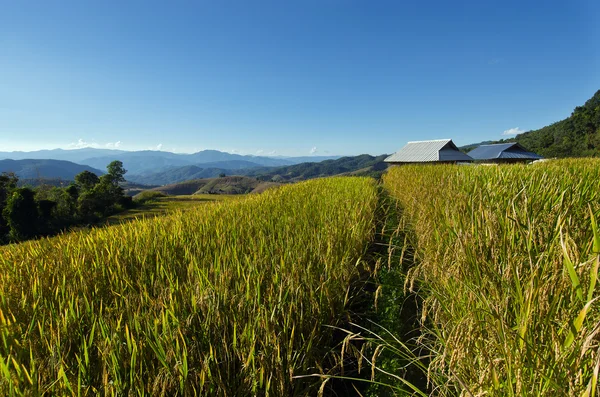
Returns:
<point x="212" y="156"/>
<point x="231" y="164"/>
<point x="152" y="161"/>
<point x="74" y="155"/>
<point x="33" y="169"/>
<point x="141" y="161"/>
<point x="178" y="174"/>
<point x="308" y="159"/>
<point x="356" y="165"/>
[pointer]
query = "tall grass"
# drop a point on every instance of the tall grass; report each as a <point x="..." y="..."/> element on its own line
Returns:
<point x="230" y="298"/>
<point x="507" y="260"/>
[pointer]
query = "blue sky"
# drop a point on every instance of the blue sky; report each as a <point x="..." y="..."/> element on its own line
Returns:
<point x="289" y="78"/>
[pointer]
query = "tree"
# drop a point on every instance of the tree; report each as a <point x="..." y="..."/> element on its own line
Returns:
<point x="116" y="172"/>
<point x="86" y="180"/>
<point x="89" y="206"/>
<point x="72" y="191"/>
<point x="21" y="214"/>
<point x="8" y="183"/>
<point x="46" y="219"/>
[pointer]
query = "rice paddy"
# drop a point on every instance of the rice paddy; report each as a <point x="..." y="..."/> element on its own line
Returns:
<point x="243" y="297"/>
<point x="506" y="260"/>
<point x="228" y="298"/>
<point x="164" y="204"/>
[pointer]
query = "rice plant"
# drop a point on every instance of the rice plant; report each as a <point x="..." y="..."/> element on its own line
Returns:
<point x="231" y="298"/>
<point x="507" y="261"/>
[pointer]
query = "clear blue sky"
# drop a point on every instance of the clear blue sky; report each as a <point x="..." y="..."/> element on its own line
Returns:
<point x="289" y="77"/>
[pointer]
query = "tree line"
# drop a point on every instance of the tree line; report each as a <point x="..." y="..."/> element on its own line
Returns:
<point x="27" y="213"/>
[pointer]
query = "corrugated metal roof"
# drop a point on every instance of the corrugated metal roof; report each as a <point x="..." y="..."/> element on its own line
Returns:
<point x="503" y="151"/>
<point x="428" y="151"/>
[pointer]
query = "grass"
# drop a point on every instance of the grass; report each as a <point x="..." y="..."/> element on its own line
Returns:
<point x="250" y="296"/>
<point x="507" y="262"/>
<point x="159" y="204"/>
<point x="227" y="298"/>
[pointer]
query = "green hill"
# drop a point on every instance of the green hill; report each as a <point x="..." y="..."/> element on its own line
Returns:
<point x="226" y="185"/>
<point x="362" y="165"/>
<point x="575" y="136"/>
<point x="36" y="169"/>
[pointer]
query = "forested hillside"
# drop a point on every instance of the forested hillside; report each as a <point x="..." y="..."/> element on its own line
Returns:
<point x="364" y="165"/>
<point x="576" y="136"/>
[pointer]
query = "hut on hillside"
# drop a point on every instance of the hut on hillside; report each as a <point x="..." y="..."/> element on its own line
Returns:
<point x="503" y="153"/>
<point x="435" y="151"/>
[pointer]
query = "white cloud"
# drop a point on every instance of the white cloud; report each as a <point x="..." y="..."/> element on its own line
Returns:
<point x="80" y="144"/>
<point x="159" y="146"/>
<point x="272" y="153"/>
<point x="313" y="150"/>
<point x="113" y="145"/>
<point x="513" y="131"/>
<point x="259" y="152"/>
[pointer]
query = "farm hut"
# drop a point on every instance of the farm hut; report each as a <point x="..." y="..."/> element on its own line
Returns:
<point x="503" y="153"/>
<point x="435" y="151"/>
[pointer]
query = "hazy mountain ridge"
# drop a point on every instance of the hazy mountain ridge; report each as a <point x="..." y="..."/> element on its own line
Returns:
<point x="36" y="169"/>
<point x="364" y="163"/>
<point x="73" y="155"/>
<point x="152" y="161"/>
<point x="179" y="174"/>
<point x="358" y="165"/>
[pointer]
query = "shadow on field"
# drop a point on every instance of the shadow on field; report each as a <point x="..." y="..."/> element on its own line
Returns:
<point x="384" y="323"/>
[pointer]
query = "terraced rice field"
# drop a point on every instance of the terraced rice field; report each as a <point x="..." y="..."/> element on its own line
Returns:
<point x="506" y="260"/>
<point x="230" y="298"/>
<point x="243" y="297"/>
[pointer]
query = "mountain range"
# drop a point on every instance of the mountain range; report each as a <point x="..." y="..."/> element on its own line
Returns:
<point x="45" y="169"/>
<point x="150" y="161"/>
<point x="364" y="163"/>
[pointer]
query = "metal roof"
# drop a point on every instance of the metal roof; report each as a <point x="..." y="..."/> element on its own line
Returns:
<point x="428" y="151"/>
<point x="503" y="151"/>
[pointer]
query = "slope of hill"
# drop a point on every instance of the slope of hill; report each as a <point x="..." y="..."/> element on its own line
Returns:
<point x="226" y="185"/>
<point x="357" y="165"/>
<point x="471" y="146"/>
<point x="32" y="169"/>
<point x="363" y="164"/>
<point x="138" y="162"/>
<point x="576" y="136"/>
<point x="179" y="174"/>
